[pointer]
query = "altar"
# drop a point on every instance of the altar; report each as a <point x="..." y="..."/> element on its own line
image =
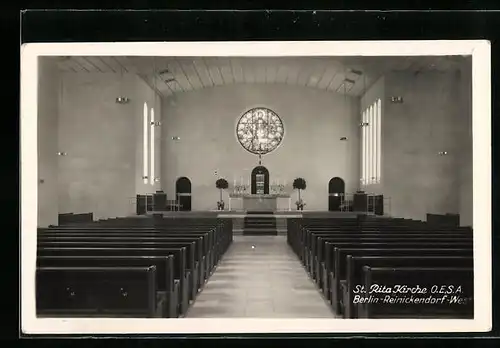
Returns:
<point x="260" y="194"/>
<point x="259" y="202"/>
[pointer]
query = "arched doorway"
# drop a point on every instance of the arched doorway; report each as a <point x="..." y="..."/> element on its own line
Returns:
<point x="336" y="190"/>
<point x="260" y="180"/>
<point x="183" y="193"/>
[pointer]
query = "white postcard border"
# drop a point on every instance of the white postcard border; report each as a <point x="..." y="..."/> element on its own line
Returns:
<point x="481" y="113"/>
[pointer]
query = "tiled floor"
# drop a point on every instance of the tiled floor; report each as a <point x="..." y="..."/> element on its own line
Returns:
<point x="266" y="281"/>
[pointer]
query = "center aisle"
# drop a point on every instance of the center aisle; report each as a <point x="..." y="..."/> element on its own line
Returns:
<point x="267" y="281"/>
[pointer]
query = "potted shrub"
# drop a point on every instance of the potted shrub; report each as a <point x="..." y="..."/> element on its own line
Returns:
<point x="299" y="184"/>
<point x="221" y="184"/>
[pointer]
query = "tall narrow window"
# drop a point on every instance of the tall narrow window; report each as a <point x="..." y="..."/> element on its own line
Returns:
<point x="145" y="144"/>
<point x="152" y="151"/>
<point x="367" y="144"/>
<point x="363" y="149"/>
<point x="379" y="141"/>
<point x="371" y="144"/>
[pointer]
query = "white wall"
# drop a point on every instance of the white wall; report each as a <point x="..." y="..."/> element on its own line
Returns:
<point x="314" y="122"/>
<point x="101" y="138"/>
<point x="431" y="119"/>
<point x="48" y="97"/>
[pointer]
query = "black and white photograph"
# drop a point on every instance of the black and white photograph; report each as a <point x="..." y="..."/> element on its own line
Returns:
<point x="256" y="187"/>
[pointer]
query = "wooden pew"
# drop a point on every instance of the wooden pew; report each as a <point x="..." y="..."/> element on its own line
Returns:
<point x="75" y="219"/>
<point x="451" y="305"/>
<point x="167" y="287"/>
<point x="97" y="291"/>
<point x="351" y="286"/>
<point x="317" y="254"/>
<point x="314" y="258"/>
<point x="330" y="260"/>
<point x="203" y="243"/>
<point x="202" y="248"/>
<point x="339" y="269"/>
<point x="219" y="241"/>
<point x="209" y="251"/>
<point x="192" y="260"/>
<point x="180" y="271"/>
<point x="312" y="235"/>
<point x="301" y="240"/>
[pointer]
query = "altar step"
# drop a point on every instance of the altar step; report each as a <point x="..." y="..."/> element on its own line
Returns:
<point x="260" y="222"/>
<point x="260" y="232"/>
<point x="260" y="226"/>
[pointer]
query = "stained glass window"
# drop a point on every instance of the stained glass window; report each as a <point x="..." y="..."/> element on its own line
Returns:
<point x="260" y="130"/>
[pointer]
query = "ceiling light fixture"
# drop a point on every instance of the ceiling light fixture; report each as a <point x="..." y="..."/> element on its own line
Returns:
<point x="397" y="100"/>
<point x="122" y="100"/>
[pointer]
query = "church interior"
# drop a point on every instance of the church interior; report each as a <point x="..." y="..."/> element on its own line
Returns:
<point x="254" y="187"/>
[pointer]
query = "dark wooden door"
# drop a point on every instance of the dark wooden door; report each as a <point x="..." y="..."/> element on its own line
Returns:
<point x="336" y="191"/>
<point x="183" y="193"/>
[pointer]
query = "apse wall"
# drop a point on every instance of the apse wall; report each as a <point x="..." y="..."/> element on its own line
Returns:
<point x="205" y="122"/>
<point x="102" y="169"/>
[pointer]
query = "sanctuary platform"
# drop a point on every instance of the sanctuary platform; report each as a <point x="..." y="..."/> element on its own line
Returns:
<point x="259" y="202"/>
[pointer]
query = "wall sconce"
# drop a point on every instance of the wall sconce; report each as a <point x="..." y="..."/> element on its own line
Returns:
<point x="176" y="138"/>
<point x="144" y="177"/>
<point x="157" y="179"/>
<point x="364" y="124"/>
<point x="156" y="123"/>
<point x="397" y="100"/>
<point x="61" y="154"/>
<point x="442" y="153"/>
<point x="343" y="138"/>
<point x="122" y="100"/>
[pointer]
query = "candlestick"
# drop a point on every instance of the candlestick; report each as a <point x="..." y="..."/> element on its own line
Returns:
<point x="241" y="179"/>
